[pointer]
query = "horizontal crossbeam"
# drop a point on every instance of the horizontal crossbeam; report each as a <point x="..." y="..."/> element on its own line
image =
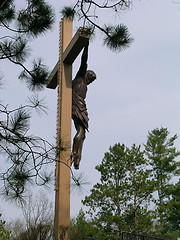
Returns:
<point x="78" y="42"/>
<point x="53" y="77"/>
<point x="75" y="46"/>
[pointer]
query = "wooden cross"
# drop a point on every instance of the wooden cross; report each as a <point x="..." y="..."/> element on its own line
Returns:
<point x="61" y="76"/>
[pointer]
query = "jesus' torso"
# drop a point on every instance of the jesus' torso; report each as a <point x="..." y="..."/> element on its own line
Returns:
<point x="80" y="87"/>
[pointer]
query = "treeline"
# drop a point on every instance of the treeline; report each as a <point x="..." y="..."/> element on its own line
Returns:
<point x="138" y="192"/>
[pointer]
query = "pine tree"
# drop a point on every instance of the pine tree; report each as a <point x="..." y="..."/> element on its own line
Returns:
<point x="120" y="201"/>
<point x="139" y="189"/>
<point x="81" y="227"/>
<point x="4" y="234"/>
<point x="162" y="155"/>
<point x="173" y="210"/>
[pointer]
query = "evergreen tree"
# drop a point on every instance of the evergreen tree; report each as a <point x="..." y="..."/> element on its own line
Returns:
<point x="4" y="234"/>
<point x="139" y="189"/>
<point x="107" y="199"/>
<point x="117" y="203"/>
<point x="81" y="227"/>
<point x="162" y="155"/>
<point x="173" y="211"/>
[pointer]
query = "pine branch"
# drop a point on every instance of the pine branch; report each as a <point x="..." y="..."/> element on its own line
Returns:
<point x="116" y="38"/>
<point x="37" y="78"/>
<point x="20" y="121"/>
<point x="37" y="18"/>
<point x="16" y="50"/>
<point x="26" y="155"/>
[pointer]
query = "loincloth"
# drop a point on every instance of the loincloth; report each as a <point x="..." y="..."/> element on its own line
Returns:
<point x="79" y="109"/>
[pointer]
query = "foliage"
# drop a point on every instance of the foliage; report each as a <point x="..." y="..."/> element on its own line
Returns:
<point x="68" y="12"/>
<point x="20" y="26"/>
<point x="24" y="156"/>
<point x="38" y="77"/>
<point x="38" y="216"/>
<point x="81" y="227"/>
<point x="173" y="211"/>
<point x="125" y="199"/>
<point x="4" y="234"/>
<point x="162" y="153"/>
<point x="117" y="37"/>
<point x="117" y="203"/>
<point x="139" y="189"/>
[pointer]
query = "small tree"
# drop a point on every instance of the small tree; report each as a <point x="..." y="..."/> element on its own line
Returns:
<point x="4" y="234"/>
<point x="38" y="216"/>
<point x="162" y="155"/>
<point x="80" y="227"/>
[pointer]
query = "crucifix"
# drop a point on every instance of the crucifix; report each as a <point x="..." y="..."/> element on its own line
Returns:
<point x="61" y="76"/>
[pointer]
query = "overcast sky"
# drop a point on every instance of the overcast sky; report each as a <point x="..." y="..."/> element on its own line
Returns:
<point x="136" y="90"/>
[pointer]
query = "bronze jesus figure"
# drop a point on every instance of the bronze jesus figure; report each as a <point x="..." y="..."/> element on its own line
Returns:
<point x="79" y="111"/>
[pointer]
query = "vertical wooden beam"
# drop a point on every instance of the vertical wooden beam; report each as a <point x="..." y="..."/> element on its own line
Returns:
<point x="62" y="195"/>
